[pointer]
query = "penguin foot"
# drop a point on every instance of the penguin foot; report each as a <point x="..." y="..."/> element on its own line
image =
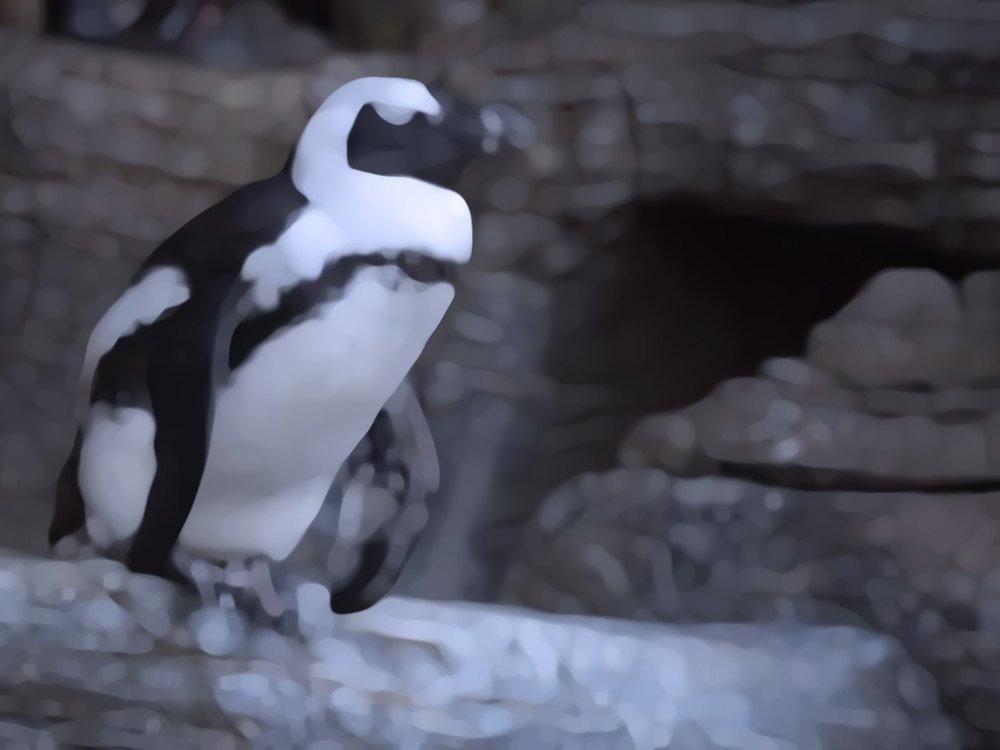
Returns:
<point x="200" y="578"/>
<point x="285" y="624"/>
<point x="168" y="570"/>
<point x="263" y="585"/>
<point x="253" y="593"/>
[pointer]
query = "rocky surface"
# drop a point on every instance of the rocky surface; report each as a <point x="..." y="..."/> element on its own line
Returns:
<point x="857" y="485"/>
<point x="640" y="544"/>
<point x="896" y="390"/>
<point x="93" y="657"/>
<point x="783" y="105"/>
<point x="841" y="111"/>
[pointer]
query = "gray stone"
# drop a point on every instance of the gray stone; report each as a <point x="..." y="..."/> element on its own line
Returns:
<point x="849" y="409"/>
<point x="640" y="544"/>
<point x="911" y="327"/>
<point x="81" y="670"/>
<point x="882" y="436"/>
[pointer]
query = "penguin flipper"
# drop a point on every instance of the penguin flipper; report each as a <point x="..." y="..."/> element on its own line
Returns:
<point x="181" y="379"/>
<point x="69" y="514"/>
<point x="384" y="554"/>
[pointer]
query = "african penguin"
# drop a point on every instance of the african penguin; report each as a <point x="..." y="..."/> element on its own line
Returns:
<point x="256" y="347"/>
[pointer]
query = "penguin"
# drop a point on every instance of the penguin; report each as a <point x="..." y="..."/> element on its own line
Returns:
<point x="255" y="349"/>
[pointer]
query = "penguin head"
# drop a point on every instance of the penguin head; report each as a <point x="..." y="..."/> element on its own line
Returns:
<point x="397" y="127"/>
<point x="432" y="146"/>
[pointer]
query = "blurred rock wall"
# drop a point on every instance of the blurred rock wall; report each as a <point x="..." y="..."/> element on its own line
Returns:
<point x="671" y="535"/>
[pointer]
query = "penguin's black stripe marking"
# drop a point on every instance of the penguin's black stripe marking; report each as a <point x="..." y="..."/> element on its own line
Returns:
<point x="121" y="375"/>
<point x="180" y="381"/>
<point x="297" y="303"/>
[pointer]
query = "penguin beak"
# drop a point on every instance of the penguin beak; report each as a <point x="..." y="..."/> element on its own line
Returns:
<point x="493" y="128"/>
<point x="505" y="126"/>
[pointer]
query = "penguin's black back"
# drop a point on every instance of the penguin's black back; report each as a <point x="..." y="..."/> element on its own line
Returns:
<point x="210" y="250"/>
<point x="217" y="241"/>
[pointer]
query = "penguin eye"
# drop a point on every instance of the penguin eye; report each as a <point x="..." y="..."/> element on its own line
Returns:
<point x="419" y="148"/>
<point x="382" y="144"/>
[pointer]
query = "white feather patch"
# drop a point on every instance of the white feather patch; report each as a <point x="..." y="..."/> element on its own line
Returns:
<point x="293" y="412"/>
<point x="117" y="466"/>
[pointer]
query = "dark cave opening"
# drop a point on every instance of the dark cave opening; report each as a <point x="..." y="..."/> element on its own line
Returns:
<point x="690" y="294"/>
<point x="684" y="295"/>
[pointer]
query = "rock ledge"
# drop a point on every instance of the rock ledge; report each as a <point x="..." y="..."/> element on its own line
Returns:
<point x="91" y="656"/>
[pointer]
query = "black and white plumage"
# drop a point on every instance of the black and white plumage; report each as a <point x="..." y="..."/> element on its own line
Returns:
<point x="258" y="345"/>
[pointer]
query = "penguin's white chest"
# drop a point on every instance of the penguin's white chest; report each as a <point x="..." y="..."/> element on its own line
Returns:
<point x="286" y="421"/>
<point x="297" y="408"/>
<point x="349" y="354"/>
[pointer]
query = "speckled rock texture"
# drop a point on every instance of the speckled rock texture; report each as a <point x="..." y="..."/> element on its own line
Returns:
<point x="93" y="657"/>
<point x="640" y="544"/>
<point x="857" y="486"/>
<point x="897" y="389"/>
